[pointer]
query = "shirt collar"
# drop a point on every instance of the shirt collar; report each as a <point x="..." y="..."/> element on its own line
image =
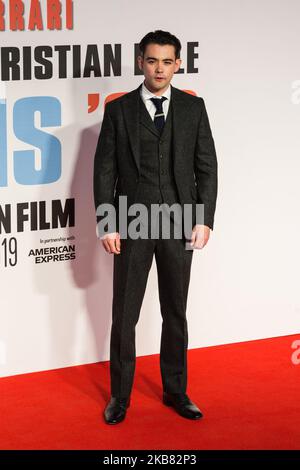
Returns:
<point x="147" y="94"/>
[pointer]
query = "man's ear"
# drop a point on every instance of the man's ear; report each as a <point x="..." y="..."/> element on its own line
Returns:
<point x="140" y="62"/>
<point x="178" y="64"/>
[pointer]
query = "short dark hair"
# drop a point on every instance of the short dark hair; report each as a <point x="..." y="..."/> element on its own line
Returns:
<point x="160" y="37"/>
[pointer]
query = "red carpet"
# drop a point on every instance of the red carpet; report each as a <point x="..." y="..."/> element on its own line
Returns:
<point x="249" y="394"/>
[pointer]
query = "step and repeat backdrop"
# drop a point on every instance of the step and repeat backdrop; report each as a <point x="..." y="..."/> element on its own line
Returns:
<point x="59" y="62"/>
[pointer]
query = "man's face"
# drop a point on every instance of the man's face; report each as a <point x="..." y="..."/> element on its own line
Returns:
<point x="158" y="65"/>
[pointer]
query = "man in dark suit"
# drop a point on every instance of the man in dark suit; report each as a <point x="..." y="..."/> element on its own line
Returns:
<point x="155" y="147"/>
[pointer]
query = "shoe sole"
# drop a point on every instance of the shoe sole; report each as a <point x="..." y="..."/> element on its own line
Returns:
<point x="111" y="423"/>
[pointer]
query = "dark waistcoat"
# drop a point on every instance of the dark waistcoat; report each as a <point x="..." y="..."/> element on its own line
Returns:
<point x="156" y="182"/>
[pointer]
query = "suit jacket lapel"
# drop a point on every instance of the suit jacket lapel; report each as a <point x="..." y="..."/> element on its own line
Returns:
<point x="131" y="112"/>
<point x="181" y="122"/>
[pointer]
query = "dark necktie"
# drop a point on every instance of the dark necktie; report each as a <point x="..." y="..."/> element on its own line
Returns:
<point x="159" y="117"/>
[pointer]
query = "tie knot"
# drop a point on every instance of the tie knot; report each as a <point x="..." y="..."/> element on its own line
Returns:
<point x="158" y="102"/>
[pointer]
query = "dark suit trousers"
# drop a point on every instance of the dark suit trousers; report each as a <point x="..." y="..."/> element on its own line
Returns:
<point x="131" y="269"/>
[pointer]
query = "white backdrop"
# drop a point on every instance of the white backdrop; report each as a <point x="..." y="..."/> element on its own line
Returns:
<point x="244" y="283"/>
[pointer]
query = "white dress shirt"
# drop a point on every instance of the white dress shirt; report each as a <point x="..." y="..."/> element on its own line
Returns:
<point x="147" y="94"/>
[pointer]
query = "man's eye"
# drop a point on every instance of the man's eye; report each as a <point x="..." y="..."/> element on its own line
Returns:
<point x="152" y="61"/>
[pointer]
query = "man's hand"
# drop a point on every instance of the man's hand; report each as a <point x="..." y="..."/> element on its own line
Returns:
<point x="112" y="243"/>
<point x="200" y="235"/>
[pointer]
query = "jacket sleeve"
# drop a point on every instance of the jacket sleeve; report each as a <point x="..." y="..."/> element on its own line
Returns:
<point x="206" y="168"/>
<point x="105" y="162"/>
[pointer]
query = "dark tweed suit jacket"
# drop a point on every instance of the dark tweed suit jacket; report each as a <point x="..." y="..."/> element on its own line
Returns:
<point x="116" y="164"/>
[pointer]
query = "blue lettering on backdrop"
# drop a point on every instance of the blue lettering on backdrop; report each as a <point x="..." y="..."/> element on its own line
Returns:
<point x="3" y="144"/>
<point x="25" y="171"/>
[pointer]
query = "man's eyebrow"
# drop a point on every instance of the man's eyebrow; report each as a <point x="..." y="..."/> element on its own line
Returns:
<point x="154" y="58"/>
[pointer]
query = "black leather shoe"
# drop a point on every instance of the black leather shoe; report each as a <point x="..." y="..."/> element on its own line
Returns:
<point x="182" y="404"/>
<point x="115" y="410"/>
